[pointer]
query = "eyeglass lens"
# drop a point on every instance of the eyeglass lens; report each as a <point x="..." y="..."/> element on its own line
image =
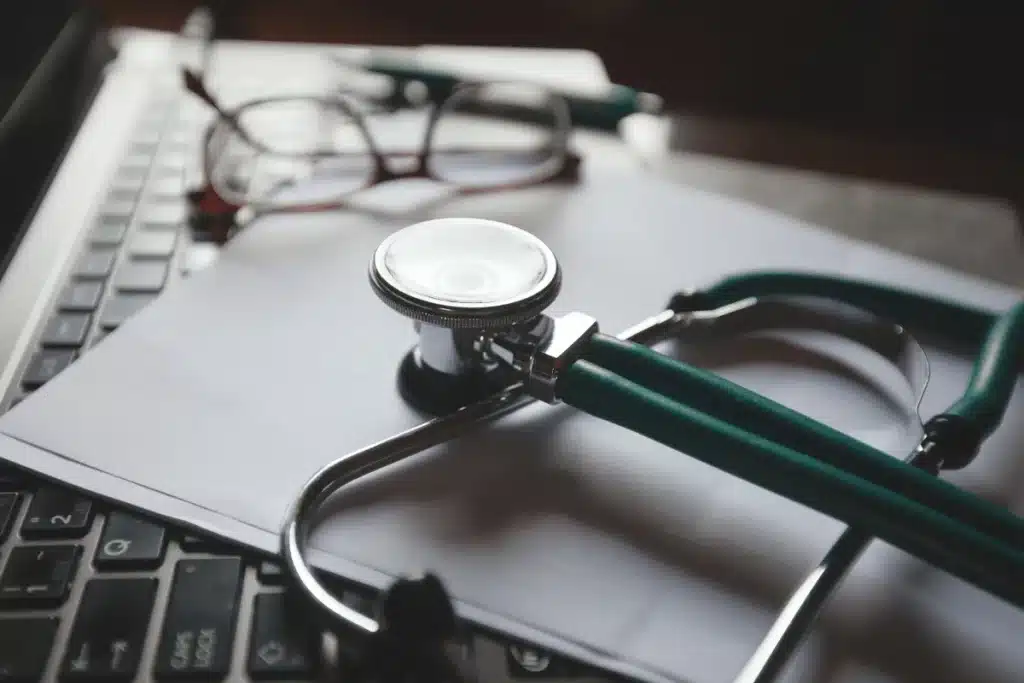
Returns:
<point x="497" y="134"/>
<point x="294" y="150"/>
<point x="308" y="150"/>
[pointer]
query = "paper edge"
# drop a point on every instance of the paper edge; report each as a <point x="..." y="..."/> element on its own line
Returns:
<point x="57" y="469"/>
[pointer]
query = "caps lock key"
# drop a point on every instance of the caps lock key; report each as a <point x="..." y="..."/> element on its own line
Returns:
<point x="199" y="627"/>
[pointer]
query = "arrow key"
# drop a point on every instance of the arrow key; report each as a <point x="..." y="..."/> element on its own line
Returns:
<point x="281" y="645"/>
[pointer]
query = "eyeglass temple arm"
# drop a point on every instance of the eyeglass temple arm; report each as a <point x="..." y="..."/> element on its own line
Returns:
<point x="569" y="169"/>
<point x="194" y="84"/>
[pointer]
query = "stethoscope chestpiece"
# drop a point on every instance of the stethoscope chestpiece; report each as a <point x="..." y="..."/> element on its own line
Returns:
<point x="466" y="282"/>
<point x="465" y="273"/>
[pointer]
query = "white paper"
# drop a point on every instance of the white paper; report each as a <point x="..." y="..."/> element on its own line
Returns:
<point x="214" y="404"/>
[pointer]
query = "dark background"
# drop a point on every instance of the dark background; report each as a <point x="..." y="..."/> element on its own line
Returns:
<point x="927" y="92"/>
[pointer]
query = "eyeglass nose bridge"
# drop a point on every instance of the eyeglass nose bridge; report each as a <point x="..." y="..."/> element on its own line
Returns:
<point x="211" y="215"/>
<point x="390" y="167"/>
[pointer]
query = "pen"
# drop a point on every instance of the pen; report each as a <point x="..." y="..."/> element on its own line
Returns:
<point x="596" y="112"/>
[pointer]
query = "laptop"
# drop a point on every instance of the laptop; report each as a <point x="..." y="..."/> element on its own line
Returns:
<point x="89" y="593"/>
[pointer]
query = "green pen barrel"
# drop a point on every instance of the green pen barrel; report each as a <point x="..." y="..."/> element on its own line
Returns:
<point x="592" y="112"/>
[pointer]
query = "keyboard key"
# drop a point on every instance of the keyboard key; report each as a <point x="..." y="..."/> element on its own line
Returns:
<point x="96" y="264"/>
<point x="39" y="575"/>
<point x="185" y="134"/>
<point x="109" y="630"/>
<point x="172" y="166"/>
<point x="145" y="146"/>
<point x="129" y="177"/>
<point x="18" y="399"/>
<point x="66" y="329"/>
<point x="199" y="256"/>
<point x="167" y="188"/>
<point x="202" y="544"/>
<point x="8" y="511"/>
<point x="121" y="307"/>
<point x="177" y="145"/>
<point x="141" y="277"/>
<point x="194" y="544"/>
<point x="151" y="244"/>
<point x="10" y="479"/>
<point x="149" y="132"/>
<point x="157" y="226"/>
<point x="129" y="542"/>
<point x="109" y="231"/>
<point x="57" y="513"/>
<point x="165" y="215"/>
<point x="155" y="114"/>
<point x="135" y="166"/>
<point x="82" y="297"/>
<point x="270" y="573"/>
<point x="46" y="365"/>
<point x="126" y="192"/>
<point x="25" y="645"/>
<point x="121" y="210"/>
<point x="199" y="627"/>
<point x="281" y="644"/>
<point x="100" y="335"/>
<point x="146" y="137"/>
<point x="152" y="122"/>
<point x="529" y="662"/>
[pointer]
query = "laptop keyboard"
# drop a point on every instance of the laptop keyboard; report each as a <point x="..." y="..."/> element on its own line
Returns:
<point x="96" y="594"/>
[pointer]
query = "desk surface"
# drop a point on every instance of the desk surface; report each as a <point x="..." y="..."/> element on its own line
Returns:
<point x="974" y="234"/>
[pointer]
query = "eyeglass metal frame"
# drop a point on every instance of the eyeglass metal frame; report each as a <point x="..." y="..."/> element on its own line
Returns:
<point x="210" y="203"/>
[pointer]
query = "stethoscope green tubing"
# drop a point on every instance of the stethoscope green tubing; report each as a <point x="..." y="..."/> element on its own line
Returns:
<point x="912" y="527"/>
<point x="670" y="402"/>
<point x="998" y="339"/>
<point x="715" y="395"/>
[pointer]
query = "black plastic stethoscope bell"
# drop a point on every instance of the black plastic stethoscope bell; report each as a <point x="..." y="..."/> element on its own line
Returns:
<point x="437" y="393"/>
<point x="462" y="281"/>
<point x="419" y="639"/>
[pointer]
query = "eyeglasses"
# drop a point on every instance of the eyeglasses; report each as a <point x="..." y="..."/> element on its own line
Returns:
<point x="313" y="153"/>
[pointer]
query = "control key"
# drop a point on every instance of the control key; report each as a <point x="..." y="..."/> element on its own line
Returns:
<point x="25" y="645"/>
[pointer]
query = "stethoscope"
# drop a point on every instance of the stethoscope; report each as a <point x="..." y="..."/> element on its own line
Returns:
<point x="477" y="292"/>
